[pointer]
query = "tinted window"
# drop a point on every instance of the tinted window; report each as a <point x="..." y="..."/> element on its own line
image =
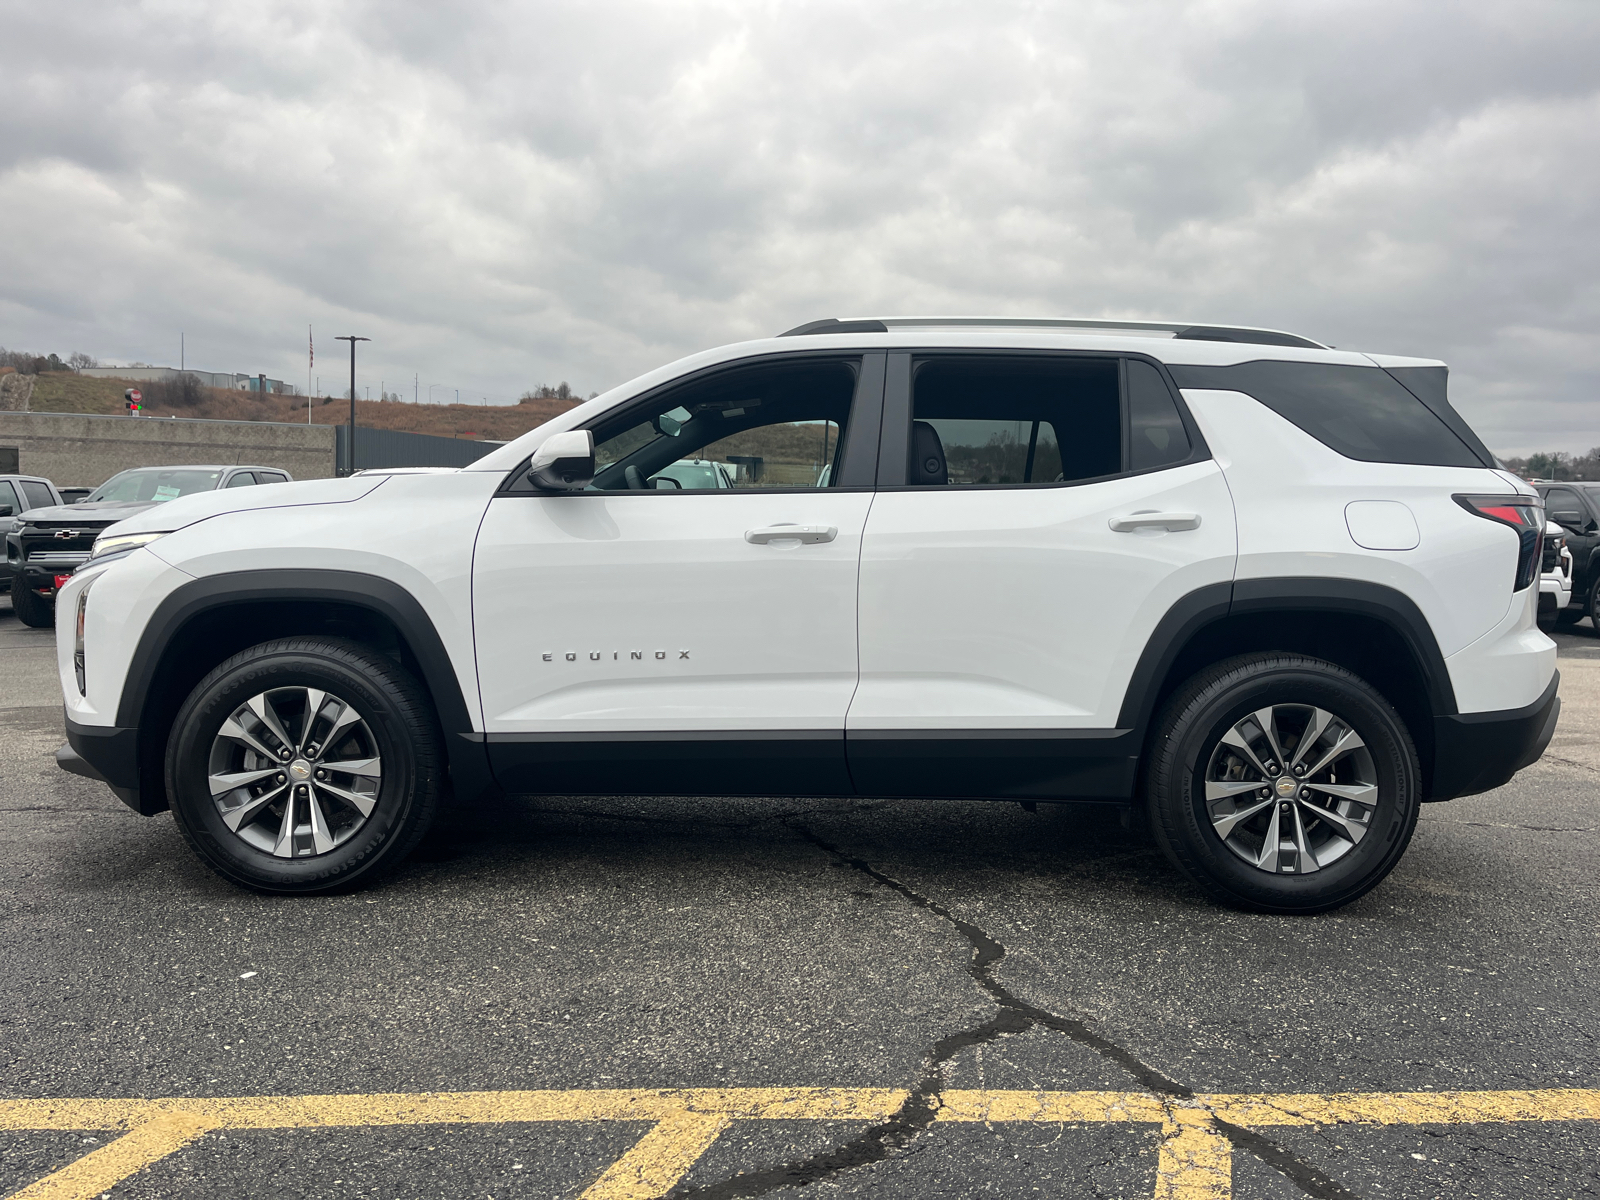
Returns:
<point x="271" y="477"/>
<point x="1361" y="412"/>
<point x="1431" y="385"/>
<point x="1156" y="437"/>
<point x="8" y="497"/>
<point x="1563" y="500"/>
<point x="774" y="426"/>
<point x="242" y="479"/>
<point x="1014" y="421"/>
<point x="36" y="494"/>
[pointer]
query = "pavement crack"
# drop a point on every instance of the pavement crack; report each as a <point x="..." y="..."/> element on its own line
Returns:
<point x="1570" y="762"/>
<point x="1292" y="1167"/>
<point x="922" y="1105"/>
<point x="1015" y="1015"/>
<point x="986" y="952"/>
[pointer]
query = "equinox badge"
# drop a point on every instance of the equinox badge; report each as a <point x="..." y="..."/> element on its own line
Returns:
<point x="616" y="655"/>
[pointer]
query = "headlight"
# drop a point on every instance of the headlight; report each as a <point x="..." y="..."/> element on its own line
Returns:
<point x="120" y="543"/>
<point x="77" y="642"/>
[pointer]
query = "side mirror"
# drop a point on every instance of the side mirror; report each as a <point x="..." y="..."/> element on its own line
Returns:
<point x="5" y="510"/>
<point x="665" y="483"/>
<point x="564" y="463"/>
<point x="1572" y="520"/>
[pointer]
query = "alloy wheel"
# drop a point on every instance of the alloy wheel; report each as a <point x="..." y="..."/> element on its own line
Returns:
<point x="1291" y="789"/>
<point x="295" y="771"/>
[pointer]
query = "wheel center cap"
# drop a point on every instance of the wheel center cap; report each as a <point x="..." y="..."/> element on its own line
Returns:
<point x="300" y="769"/>
<point x="1286" y="787"/>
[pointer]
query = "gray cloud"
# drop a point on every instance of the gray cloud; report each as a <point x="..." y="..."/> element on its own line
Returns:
<point x="502" y="195"/>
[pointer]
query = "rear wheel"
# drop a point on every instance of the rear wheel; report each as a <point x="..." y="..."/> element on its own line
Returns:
<point x="302" y="765"/>
<point x="32" y="609"/>
<point x="1282" y="783"/>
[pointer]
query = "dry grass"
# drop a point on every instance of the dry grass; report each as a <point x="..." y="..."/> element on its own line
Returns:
<point x="64" y="392"/>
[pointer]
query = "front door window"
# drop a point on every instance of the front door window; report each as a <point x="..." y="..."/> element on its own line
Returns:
<point x="768" y="428"/>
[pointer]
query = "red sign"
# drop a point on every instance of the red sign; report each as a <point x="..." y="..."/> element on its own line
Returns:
<point x="61" y="581"/>
<point x="135" y="395"/>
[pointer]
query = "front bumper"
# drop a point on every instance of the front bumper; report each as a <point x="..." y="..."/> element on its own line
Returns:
<point x="1477" y="752"/>
<point x="110" y="755"/>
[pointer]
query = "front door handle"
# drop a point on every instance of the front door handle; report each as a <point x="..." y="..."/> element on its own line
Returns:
<point x="1170" y="521"/>
<point x="806" y="535"/>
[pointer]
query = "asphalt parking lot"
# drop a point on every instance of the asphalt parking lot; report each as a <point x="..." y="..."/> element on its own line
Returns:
<point x="612" y="998"/>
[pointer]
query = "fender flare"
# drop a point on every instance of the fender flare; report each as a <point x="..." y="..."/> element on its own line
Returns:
<point x="1207" y="605"/>
<point x="464" y="750"/>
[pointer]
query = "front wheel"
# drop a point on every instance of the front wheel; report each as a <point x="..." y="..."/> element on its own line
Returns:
<point x="302" y="765"/>
<point x="1282" y="783"/>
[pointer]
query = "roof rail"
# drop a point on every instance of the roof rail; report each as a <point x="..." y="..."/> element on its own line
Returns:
<point x="1181" y="330"/>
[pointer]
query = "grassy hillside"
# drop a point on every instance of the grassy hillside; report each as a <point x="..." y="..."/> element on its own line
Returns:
<point x="72" y="393"/>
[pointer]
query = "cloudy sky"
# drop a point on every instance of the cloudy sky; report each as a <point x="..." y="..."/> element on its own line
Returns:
<point x="505" y="194"/>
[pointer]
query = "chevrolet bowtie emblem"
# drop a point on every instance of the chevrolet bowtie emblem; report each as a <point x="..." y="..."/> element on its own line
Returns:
<point x="64" y="534"/>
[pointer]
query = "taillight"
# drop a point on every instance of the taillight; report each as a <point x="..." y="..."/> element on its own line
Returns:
<point x="1523" y="514"/>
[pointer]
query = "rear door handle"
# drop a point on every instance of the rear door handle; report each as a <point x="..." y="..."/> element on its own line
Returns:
<point x="1170" y="521"/>
<point x="806" y="535"/>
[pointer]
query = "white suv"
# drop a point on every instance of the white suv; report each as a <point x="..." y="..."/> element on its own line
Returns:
<point x="1277" y="595"/>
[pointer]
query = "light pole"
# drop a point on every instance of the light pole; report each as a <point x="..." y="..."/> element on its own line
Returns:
<point x="351" y="464"/>
<point x="431" y="386"/>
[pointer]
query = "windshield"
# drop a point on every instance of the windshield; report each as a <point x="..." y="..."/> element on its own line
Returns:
<point x="155" y="483"/>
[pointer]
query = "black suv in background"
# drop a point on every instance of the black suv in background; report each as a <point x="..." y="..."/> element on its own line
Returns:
<point x="46" y="545"/>
<point x="1576" y="508"/>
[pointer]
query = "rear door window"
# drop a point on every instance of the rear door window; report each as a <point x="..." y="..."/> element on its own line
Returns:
<point x="1361" y="412"/>
<point x="998" y="421"/>
<point x="36" y="494"/>
<point x="242" y="479"/>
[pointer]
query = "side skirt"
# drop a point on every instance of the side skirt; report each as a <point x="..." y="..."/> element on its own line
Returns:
<point x="991" y="764"/>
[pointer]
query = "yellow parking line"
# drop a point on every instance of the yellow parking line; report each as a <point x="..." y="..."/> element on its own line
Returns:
<point x="1408" y="1108"/>
<point x="114" y="1162"/>
<point x="660" y="1158"/>
<point x="1194" y="1161"/>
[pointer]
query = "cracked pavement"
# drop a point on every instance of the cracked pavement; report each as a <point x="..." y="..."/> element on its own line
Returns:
<point x="643" y="942"/>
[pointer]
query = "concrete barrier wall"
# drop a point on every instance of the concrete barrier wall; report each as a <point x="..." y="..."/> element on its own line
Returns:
<point x="84" y="451"/>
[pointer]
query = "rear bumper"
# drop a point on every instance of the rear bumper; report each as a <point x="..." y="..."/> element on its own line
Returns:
<point x="1476" y="752"/>
<point x="108" y="754"/>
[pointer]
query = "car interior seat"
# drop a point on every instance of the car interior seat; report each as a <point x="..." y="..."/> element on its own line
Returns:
<point x="927" y="456"/>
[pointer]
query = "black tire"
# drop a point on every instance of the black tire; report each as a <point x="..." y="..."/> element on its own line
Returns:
<point x="396" y="720"/>
<point x="1186" y="744"/>
<point x="32" y="609"/>
<point x="1592" y="605"/>
<point x="1569" y="616"/>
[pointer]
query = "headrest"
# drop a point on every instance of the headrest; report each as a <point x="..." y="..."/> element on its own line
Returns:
<point x="927" y="455"/>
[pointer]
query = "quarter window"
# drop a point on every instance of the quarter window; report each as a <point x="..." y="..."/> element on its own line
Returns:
<point x="1156" y="437"/>
<point x="1361" y="412"/>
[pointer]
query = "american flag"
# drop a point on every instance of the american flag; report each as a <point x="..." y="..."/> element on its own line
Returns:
<point x="312" y="346"/>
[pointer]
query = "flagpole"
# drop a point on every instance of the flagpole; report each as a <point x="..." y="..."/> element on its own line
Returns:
<point x="311" y="361"/>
